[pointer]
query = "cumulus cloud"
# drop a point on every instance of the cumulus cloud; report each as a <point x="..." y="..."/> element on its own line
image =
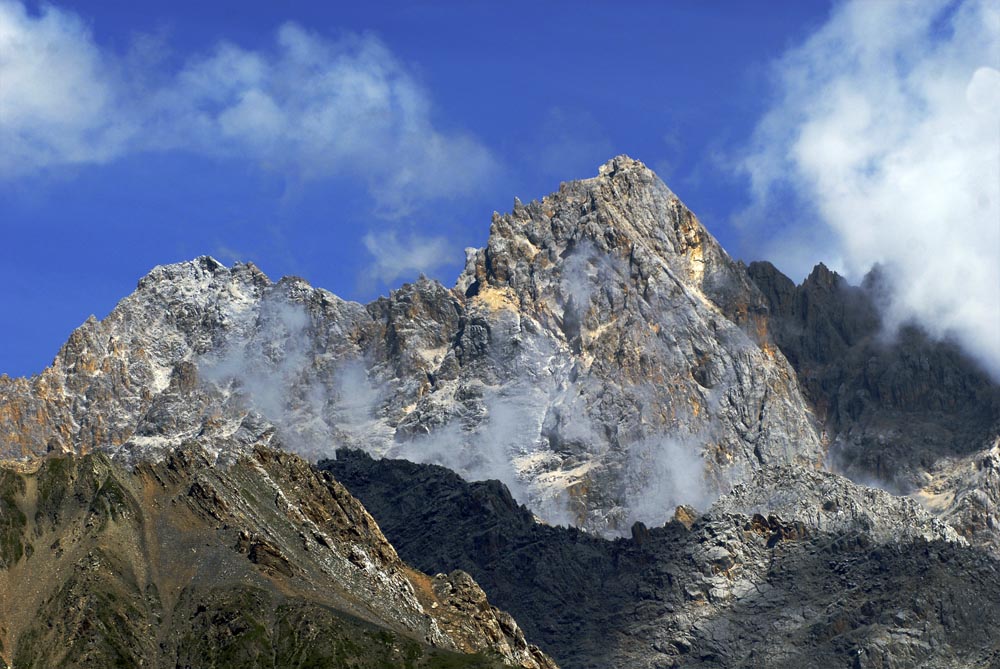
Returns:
<point x="393" y="257"/>
<point x="307" y="105"/>
<point x="58" y="98"/>
<point x="883" y="146"/>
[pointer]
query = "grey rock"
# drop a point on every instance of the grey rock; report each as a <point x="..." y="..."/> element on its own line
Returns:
<point x="781" y="588"/>
<point x="904" y="412"/>
<point x="602" y="355"/>
<point x="831" y="503"/>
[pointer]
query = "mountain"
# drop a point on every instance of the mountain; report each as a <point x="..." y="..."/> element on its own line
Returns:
<point x="602" y="356"/>
<point x="650" y="454"/>
<point x="897" y="402"/>
<point x="902" y="410"/>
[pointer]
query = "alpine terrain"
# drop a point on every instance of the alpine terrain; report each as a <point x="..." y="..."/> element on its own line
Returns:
<point x="645" y="453"/>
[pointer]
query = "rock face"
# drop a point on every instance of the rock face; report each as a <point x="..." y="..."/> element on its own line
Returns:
<point x="913" y="414"/>
<point x="264" y="563"/>
<point x="794" y="569"/>
<point x="645" y="345"/>
<point x="602" y="355"/>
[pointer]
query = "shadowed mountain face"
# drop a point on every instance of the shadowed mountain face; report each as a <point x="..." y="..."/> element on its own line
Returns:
<point x="831" y="574"/>
<point x="602" y="355"/>
<point x="905" y="411"/>
<point x="894" y="403"/>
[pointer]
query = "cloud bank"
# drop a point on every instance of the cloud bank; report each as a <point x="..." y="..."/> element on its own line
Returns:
<point x="887" y="123"/>
<point x="309" y="106"/>
<point x="59" y="94"/>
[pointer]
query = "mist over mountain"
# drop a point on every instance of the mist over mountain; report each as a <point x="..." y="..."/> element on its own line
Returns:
<point x="648" y="453"/>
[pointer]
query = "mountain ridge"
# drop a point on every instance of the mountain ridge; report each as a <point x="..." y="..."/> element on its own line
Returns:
<point x="608" y="371"/>
<point x="182" y="563"/>
<point x="601" y="334"/>
<point x="796" y="569"/>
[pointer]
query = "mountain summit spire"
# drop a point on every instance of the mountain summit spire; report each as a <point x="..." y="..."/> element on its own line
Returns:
<point x="601" y="355"/>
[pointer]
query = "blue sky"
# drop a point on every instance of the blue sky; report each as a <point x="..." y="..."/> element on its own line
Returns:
<point x="358" y="145"/>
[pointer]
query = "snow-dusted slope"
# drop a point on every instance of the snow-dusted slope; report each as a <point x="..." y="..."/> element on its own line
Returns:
<point x="602" y="356"/>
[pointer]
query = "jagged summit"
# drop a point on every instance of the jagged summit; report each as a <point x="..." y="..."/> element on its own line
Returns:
<point x="601" y="355"/>
<point x="626" y="211"/>
<point x="625" y="166"/>
<point x="604" y="358"/>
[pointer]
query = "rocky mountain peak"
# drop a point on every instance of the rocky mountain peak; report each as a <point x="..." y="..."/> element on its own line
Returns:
<point x="824" y="276"/>
<point x="600" y="363"/>
<point x="601" y="355"/>
<point x="626" y="212"/>
<point x="621" y="163"/>
<point x="611" y="288"/>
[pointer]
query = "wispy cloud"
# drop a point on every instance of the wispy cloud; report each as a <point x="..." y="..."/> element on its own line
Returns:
<point x="886" y="123"/>
<point x="393" y="257"/>
<point x="308" y="105"/>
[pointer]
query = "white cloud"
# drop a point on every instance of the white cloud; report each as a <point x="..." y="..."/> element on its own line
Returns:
<point x="393" y="257"/>
<point x="314" y="107"/>
<point x="57" y="100"/>
<point x="887" y="122"/>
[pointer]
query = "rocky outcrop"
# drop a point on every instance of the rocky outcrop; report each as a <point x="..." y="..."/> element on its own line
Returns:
<point x="833" y="504"/>
<point x="265" y="562"/>
<point x="763" y="579"/>
<point x="466" y="614"/>
<point x="965" y="493"/>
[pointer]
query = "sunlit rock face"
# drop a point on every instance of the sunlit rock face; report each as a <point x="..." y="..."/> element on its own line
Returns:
<point x="644" y="344"/>
<point x="602" y="356"/>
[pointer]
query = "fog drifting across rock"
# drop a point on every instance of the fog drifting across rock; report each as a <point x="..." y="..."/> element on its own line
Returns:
<point x="602" y="356"/>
